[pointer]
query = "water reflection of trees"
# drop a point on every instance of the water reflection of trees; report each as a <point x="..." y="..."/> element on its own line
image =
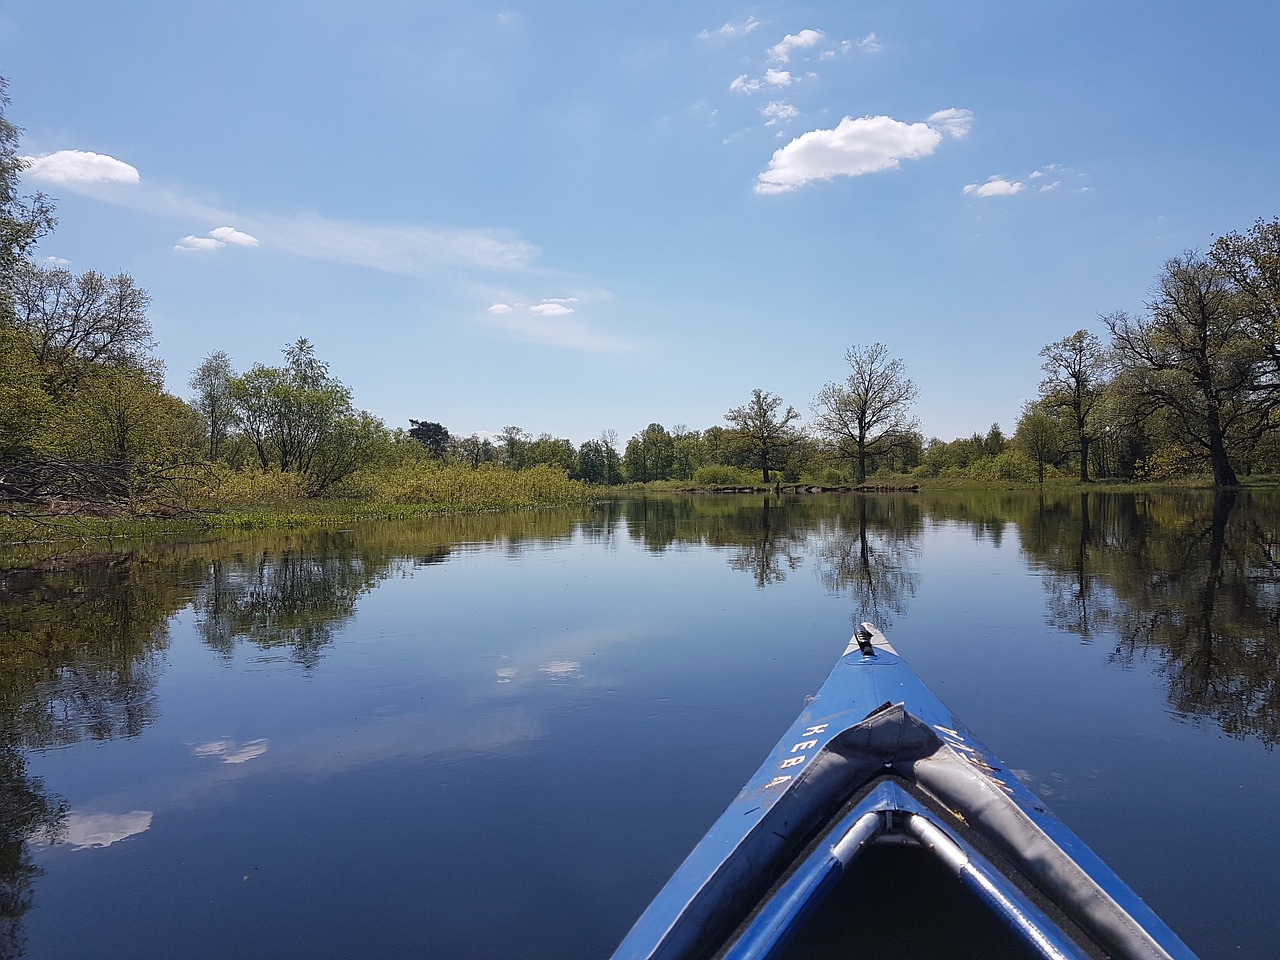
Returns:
<point x="866" y="546"/>
<point x="1188" y="579"/>
<point x="870" y="550"/>
<point x="83" y="638"/>
<point x="291" y="601"/>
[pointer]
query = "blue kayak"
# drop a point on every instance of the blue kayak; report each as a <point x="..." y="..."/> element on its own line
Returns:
<point x="875" y="774"/>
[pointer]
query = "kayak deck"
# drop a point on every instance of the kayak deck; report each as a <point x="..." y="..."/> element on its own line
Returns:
<point x="875" y="762"/>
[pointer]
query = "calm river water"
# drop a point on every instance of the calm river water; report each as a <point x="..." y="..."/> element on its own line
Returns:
<point x="496" y="737"/>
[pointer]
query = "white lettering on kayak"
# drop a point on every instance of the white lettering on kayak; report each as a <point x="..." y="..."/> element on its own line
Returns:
<point x="807" y="744"/>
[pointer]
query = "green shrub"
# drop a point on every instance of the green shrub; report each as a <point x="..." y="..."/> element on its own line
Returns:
<point x="719" y="475"/>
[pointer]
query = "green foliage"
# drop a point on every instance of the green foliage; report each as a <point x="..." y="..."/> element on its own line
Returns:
<point x="721" y="475"/>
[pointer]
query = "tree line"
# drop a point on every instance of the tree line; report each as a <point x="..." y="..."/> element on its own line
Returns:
<point x="1190" y="384"/>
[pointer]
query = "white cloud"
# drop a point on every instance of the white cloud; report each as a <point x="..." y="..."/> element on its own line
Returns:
<point x="197" y="243"/>
<point x="88" y="831"/>
<point x="217" y="237"/>
<point x="743" y="85"/>
<point x="500" y="308"/>
<point x="233" y="236"/>
<point x="80" y="166"/>
<point x="230" y="751"/>
<point x="869" y="44"/>
<point x="551" y="309"/>
<point x="995" y="187"/>
<point x="778" y="112"/>
<point x="1051" y="186"/>
<point x="57" y="262"/>
<point x="777" y="78"/>
<point x="781" y="51"/>
<point x="954" y="122"/>
<point x="853" y="148"/>
<point x="731" y="29"/>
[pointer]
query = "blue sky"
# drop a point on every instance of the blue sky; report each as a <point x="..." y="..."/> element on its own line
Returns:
<point x="574" y="217"/>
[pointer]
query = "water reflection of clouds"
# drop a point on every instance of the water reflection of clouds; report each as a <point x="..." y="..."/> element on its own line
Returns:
<point x="93" y="831"/>
<point x="230" y="751"/>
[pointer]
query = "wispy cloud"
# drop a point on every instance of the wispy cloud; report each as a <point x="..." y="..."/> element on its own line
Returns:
<point x="868" y="44"/>
<point x="68" y="167"/>
<point x="779" y="112"/>
<point x="730" y="29"/>
<point x="406" y="249"/>
<point x="782" y="50"/>
<point x="954" y="122"/>
<point x="856" y="147"/>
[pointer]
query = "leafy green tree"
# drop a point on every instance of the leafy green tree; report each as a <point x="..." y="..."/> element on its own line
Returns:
<point x="301" y="420"/>
<point x="650" y="454"/>
<point x="431" y="435"/>
<point x="1039" y="436"/>
<point x="546" y="449"/>
<point x="212" y="383"/>
<point x="686" y="452"/>
<point x="474" y="450"/>
<point x="1196" y="356"/>
<point x="26" y="411"/>
<point x="124" y="416"/>
<point x="23" y="219"/>
<point x="764" y="430"/>
<point x="1077" y="369"/>
<point x="515" y="445"/>
<point x="589" y="466"/>
<point x="1251" y="261"/>
<point x="870" y="413"/>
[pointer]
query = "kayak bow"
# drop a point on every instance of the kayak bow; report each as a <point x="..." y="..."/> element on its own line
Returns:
<point x="876" y="760"/>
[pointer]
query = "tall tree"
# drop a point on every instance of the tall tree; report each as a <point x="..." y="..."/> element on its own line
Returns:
<point x="1039" y="436"/>
<point x="1196" y="355"/>
<point x="1077" y="375"/>
<point x="431" y="435"/>
<point x="764" y="430"/>
<point x="79" y="322"/>
<point x="612" y="458"/>
<point x="1251" y="261"/>
<point x="23" y="219"/>
<point x="212" y="383"/>
<point x="515" y="445"/>
<point x="870" y="412"/>
<point x="301" y="420"/>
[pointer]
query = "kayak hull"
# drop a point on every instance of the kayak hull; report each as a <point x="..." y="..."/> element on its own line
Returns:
<point x="877" y="758"/>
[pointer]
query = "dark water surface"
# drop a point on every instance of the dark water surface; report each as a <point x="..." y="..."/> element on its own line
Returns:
<point x="496" y="737"/>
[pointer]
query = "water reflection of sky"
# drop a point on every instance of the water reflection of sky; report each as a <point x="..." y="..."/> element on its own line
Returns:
<point x="536" y="736"/>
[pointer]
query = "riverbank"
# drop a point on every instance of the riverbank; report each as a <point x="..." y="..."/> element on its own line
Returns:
<point x="243" y="502"/>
